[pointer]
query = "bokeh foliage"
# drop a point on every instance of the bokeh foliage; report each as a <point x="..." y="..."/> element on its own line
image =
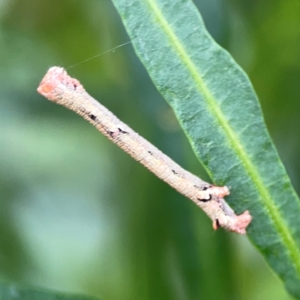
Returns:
<point x="77" y="214"/>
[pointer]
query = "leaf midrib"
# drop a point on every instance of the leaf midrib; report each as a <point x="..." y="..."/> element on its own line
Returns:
<point x="266" y="199"/>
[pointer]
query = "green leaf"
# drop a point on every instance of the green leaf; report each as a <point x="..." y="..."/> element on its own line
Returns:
<point x="15" y="292"/>
<point x="217" y="108"/>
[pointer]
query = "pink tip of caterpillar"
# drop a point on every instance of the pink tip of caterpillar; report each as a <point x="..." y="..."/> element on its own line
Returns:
<point x="55" y="77"/>
<point x="240" y="223"/>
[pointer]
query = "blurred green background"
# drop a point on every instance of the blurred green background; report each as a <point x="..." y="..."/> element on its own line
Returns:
<point x="77" y="214"/>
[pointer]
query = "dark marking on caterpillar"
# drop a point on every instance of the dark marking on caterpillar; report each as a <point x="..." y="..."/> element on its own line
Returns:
<point x="121" y="130"/>
<point x="93" y="117"/>
<point x="174" y="172"/>
<point x="206" y="188"/>
<point x="205" y="200"/>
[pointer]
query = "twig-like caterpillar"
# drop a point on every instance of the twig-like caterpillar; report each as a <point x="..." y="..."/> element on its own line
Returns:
<point x="59" y="87"/>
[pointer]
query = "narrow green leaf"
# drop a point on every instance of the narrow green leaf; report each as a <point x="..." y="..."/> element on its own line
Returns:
<point x="217" y="108"/>
<point x="15" y="292"/>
